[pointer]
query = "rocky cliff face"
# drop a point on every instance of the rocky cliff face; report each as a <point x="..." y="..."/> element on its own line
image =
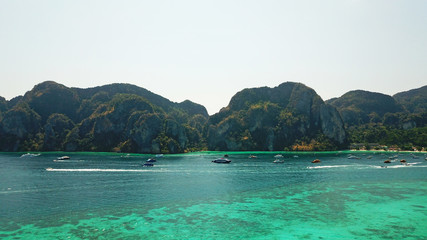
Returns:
<point x="3" y="105"/>
<point x="17" y="126"/>
<point x="274" y="119"/>
<point x="123" y="117"/>
<point x="117" y="117"/>
<point x="332" y="124"/>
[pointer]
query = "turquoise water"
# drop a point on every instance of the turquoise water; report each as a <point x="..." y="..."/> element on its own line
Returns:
<point x="111" y="196"/>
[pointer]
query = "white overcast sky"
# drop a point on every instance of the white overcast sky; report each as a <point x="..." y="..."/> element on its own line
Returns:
<point x="206" y="51"/>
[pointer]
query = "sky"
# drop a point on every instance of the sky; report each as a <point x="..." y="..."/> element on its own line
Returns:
<point x="206" y="51"/>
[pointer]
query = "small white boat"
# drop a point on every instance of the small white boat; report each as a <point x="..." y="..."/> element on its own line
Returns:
<point x="159" y="155"/>
<point x="279" y="161"/>
<point x="252" y="156"/>
<point x="221" y="160"/>
<point x="278" y="156"/>
<point x="63" y="158"/>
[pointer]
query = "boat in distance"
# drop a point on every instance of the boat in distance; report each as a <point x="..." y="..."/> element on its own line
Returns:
<point x="30" y="155"/>
<point x="221" y="160"/>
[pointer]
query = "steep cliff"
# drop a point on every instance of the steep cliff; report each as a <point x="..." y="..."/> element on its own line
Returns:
<point x="116" y="117"/>
<point x="275" y="119"/>
<point x="3" y="105"/>
<point x="127" y="118"/>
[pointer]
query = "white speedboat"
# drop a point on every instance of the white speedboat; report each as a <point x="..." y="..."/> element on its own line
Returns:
<point x="221" y="160"/>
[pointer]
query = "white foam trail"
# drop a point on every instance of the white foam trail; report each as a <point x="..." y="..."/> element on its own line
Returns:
<point x="402" y="166"/>
<point x="397" y="166"/>
<point x="95" y="170"/>
<point x="57" y="160"/>
<point x="415" y="164"/>
<point x="406" y="165"/>
<point x="335" y="166"/>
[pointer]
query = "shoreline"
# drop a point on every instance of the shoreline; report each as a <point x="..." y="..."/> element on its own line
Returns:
<point x="348" y="151"/>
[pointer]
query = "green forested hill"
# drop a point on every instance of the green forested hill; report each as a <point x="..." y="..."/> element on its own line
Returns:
<point x="290" y="116"/>
<point x="414" y="101"/>
<point x="370" y="117"/>
<point x="360" y="107"/>
<point x="117" y="117"/>
<point x="127" y="118"/>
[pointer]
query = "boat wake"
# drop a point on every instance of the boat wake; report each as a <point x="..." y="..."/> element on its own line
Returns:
<point x="331" y="166"/>
<point x="412" y="165"/>
<point x="58" y="160"/>
<point x="369" y="166"/>
<point x="95" y="170"/>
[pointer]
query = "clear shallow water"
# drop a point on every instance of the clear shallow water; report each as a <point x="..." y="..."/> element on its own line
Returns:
<point x="107" y="196"/>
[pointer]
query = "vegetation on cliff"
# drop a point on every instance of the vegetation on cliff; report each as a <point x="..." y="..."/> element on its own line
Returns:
<point x="414" y="101"/>
<point x="360" y="107"/>
<point x="399" y="121"/>
<point x="117" y="117"/>
<point x="127" y="118"/>
<point x="288" y="117"/>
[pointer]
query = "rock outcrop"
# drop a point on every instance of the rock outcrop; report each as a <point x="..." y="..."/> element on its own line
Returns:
<point x="116" y="117"/>
<point x="274" y="119"/>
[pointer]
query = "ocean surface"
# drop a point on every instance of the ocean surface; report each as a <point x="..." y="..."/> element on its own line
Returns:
<point x="186" y="196"/>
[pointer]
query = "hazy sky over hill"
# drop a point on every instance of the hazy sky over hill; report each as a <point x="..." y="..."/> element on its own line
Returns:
<point x="206" y="51"/>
